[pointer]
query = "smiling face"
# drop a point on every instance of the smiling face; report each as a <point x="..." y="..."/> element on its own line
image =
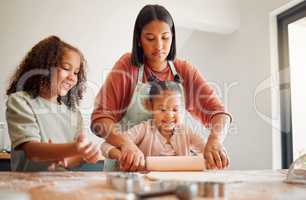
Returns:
<point x="155" y="40"/>
<point x="167" y="111"/>
<point x="65" y="76"/>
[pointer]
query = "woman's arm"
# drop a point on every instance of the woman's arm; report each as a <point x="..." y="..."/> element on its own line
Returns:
<point x="202" y="102"/>
<point x="214" y="152"/>
<point x="107" y="129"/>
<point x="131" y="157"/>
<point x="219" y="126"/>
<point x="114" y="153"/>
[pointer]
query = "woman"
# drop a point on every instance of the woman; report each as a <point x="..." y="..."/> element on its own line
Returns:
<point x="119" y="101"/>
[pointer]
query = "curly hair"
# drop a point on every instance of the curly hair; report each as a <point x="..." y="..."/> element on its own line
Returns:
<point x="34" y="72"/>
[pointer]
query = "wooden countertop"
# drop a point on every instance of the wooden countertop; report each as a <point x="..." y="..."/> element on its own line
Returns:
<point x="5" y="156"/>
<point x="265" y="184"/>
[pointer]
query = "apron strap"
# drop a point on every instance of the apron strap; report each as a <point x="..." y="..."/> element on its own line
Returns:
<point x="140" y="74"/>
<point x="172" y="68"/>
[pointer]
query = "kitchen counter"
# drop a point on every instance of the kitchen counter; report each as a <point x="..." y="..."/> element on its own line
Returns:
<point x="264" y="184"/>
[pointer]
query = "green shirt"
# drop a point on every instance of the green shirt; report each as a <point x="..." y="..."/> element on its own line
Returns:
<point x="37" y="119"/>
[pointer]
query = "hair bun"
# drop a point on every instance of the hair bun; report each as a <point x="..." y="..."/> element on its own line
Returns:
<point x="152" y="78"/>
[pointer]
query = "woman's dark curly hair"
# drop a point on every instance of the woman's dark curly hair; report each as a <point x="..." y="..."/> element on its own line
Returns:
<point x="34" y="72"/>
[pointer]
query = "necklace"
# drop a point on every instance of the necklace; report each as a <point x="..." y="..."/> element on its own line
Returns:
<point x="153" y="75"/>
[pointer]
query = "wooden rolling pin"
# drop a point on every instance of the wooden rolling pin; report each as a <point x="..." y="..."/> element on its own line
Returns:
<point x="175" y="163"/>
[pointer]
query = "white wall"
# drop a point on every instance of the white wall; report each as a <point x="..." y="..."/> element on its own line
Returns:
<point x="241" y="59"/>
<point x="101" y="29"/>
<point x="237" y="61"/>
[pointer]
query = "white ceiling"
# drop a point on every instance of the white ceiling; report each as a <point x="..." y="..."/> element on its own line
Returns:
<point x="221" y="16"/>
<point x="218" y="16"/>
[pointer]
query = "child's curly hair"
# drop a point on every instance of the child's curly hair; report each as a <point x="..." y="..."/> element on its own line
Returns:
<point x="34" y="72"/>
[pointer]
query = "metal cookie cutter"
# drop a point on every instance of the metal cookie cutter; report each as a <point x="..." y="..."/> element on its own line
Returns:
<point x="211" y="189"/>
<point x="126" y="182"/>
<point x="189" y="190"/>
<point x="134" y="187"/>
<point x="133" y="184"/>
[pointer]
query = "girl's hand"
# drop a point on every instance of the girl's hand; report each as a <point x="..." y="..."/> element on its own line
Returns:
<point x="90" y="152"/>
<point x="54" y="165"/>
<point x="131" y="159"/>
<point x="215" y="154"/>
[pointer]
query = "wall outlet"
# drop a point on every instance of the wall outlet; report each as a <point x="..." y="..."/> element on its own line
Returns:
<point x="4" y="139"/>
<point x="2" y="125"/>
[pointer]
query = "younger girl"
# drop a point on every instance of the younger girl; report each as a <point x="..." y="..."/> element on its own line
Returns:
<point x="165" y="134"/>
<point x="44" y="123"/>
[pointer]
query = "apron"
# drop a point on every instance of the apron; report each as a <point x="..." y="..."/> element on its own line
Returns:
<point x="137" y="112"/>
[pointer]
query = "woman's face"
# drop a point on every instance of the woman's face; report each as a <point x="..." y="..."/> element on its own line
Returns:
<point x="65" y="76"/>
<point x="155" y="40"/>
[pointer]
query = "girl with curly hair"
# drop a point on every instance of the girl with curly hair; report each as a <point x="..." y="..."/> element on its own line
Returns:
<point x="44" y="123"/>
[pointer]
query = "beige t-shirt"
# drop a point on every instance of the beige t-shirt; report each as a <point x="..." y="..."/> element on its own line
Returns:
<point x="37" y="119"/>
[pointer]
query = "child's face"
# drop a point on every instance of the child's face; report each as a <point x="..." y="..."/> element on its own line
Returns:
<point x="167" y="111"/>
<point x="65" y="76"/>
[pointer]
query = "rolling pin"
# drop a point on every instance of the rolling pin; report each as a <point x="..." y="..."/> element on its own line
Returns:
<point x="175" y="163"/>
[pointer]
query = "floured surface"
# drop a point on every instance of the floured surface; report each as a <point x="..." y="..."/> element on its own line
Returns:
<point x="248" y="185"/>
<point x="220" y="176"/>
<point x="58" y="185"/>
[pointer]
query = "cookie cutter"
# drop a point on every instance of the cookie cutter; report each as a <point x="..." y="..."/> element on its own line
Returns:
<point x="134" y="185"/>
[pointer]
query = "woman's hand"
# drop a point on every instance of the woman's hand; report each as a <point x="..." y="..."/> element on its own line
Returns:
<point x="215" y="154"/>
<point x="131" y="159"/>
<point x="90" y="152"/>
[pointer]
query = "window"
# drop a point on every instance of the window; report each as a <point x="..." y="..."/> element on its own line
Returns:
<point x="291" y="27"/>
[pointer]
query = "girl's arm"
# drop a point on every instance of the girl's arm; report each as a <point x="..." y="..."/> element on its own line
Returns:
<point x="48" y="152"/>
<point x="72" y="162"/>
<point x="57" y="152"/>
